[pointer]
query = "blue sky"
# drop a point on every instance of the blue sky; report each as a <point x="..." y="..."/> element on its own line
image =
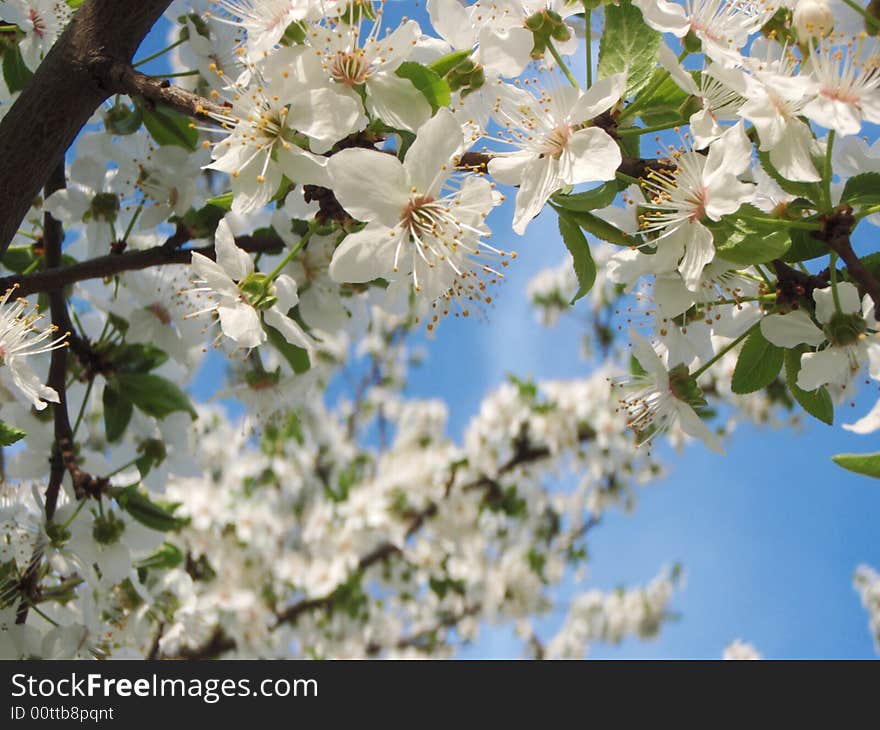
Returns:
<point x="769" y="535"/>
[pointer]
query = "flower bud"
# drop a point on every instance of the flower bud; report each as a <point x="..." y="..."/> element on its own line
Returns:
<point x="812" y="19"/>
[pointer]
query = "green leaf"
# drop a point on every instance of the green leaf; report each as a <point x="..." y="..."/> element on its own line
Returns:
<point x="866" y="464"/>
<point x="433" y="87"/>
<point x="117" y="413"/>
<point x="154" y="395"/>
<point x="146" y="512"/>
<point x="599" y="197"/>
<point x="804" y="247"/>
<point x="628" y="45"/>
<point x="15" y="73"/>
<point x="10" y="434"/>
<point x="297" y="357"/>
<point x="817" y="402"/>
<point x="742" y="241"/>
<point x="758" y="365"/>
<point x="584" y="266"/>
<point x="168" y="127"/>
<point x="223" y="201"/>
<point x="19" y="258"/>
<point x="136" y="357"/>
<point x="666" y="104"/>
<point x="166" y="557"/>
<point x="862" y="190"/>
<point x="598" y="227"/>
<point x="445" y="64"/>
<point x="123" y="120"/>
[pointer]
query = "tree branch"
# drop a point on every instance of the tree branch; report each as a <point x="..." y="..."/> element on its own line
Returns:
<point x="67" y="88"/>
<point x="122" y="78"/>
<point x="836" y="233"/>
<point x="57" y="277"/>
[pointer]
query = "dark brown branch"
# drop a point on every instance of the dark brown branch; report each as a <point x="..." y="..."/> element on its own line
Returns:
<point x="53" y="237"/>
<point x="836" y="233"/>
<point x="57" y="277"/>
<point x="67" y="88"/>
<point x="122" y="78"/>
<point x="793" y="285"/>
<point x="219" y="643"/>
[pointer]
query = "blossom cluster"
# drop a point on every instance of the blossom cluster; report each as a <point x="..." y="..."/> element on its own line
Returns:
<point x="333" y="194"/>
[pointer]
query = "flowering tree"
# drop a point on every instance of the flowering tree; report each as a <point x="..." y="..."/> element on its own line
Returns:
<point x="304" y="188"/>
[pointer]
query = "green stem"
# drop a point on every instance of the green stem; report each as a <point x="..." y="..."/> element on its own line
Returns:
<point x="721" y="353"/>
<point x="69" y="520"/>
<point x="784" y="222"/>
<point x="131" y="223"/>
<point x="647" y="130"/>
<point x="8" y="28"/>
<point x="565" y="70"/>
<point x="177" y="75"/>
<point x="293" y="252"/>
<point x="827" y="173"/>
<point x="589" y="38"/>
<point x="870" y="19"/>
<point x="158" y="53"/>
<point x="82" y="408"/>
<point x="122" y="468"/>
<point x="865" y="212"/>
<point x="629" y="179"/>
<point x="832" y="269"/>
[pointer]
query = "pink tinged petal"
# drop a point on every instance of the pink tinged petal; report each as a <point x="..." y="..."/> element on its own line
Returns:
<point x="505" y="51"/>
<point x="590" y="156"/>
<point x="792" y="329"/>
<point x="370" y="185"/>
<point x="428" y="162"/>
<point x="600" y="97"/>
<point x="821" y="368"/>
<point x="699" y="250"/>
<point x="868" y="423"/>
<point x="695" y="426"/>
<point x="366" y="255"/>
<point x="235" y="262"/>
<point x="241" y="323"/>
<point x="540" y="181"/>
<point x="289" y="329"/>
<point x="397" y="102"/>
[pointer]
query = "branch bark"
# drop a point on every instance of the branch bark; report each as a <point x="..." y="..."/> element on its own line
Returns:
<point x="67" y="88"/>
<point x="58" y="277"/>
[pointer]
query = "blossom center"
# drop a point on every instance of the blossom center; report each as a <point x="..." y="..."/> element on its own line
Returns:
<point x="556" y="141"/>
<point x="421" y="216"/>
<point x="350" y="67"/>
